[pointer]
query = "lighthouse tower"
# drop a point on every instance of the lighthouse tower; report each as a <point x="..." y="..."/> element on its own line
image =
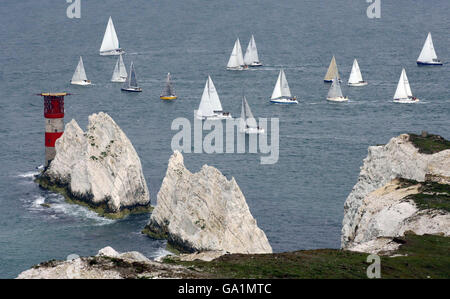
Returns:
<point x="54" y="122"/>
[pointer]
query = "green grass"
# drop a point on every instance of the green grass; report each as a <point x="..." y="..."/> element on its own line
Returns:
<point x="433" y="196"/>
<point x="430" y="144"/>
<point x="427" y="256"/>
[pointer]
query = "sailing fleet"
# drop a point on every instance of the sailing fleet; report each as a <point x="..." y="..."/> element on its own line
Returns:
<point x="210" y="107"/>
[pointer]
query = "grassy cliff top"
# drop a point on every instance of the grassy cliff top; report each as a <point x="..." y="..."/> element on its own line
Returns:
<point x="426" y="257"/>
<point x="429" y="143"/>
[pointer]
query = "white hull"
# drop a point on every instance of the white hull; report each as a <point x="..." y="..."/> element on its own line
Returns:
<point x="429" y="62"/>
<point x="121" y="80"/>
<point x="237" y="68"/>
<point x="284" y="101"/>
<point x="137" y="89"/>
<point x="338" y="99"/>
<point x="406" y="101"/>
<point x="255" y="64"/>
<point x="364" y="83"/>
<point x="83" y="83"/>
<point x="253" y="131"/>
<point x="114" y="52"/>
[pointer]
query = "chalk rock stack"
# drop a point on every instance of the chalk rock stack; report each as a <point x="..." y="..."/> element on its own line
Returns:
<point x="378" y="208"/>
<point x="99" y="166"/>
<point x="204" y="211"/>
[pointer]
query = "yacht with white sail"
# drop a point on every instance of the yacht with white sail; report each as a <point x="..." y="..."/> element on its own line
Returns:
<point x="332" y="72"/>
<point x="428" y="54"/>
<point x="236" y="61"/>
<point x="248" y="124"/>
<point x="110" y="44"/>
<point x="120" y="72"/>
<point x="169" y="92"/>
<point x="251" y="57"/>
<point x="79" y="76"/>
<point x="210" y="106"/>
<point x="355" y="78"/>
<point x="281" y="93"/>
<point x="131" y="83"/>
<point x="335" y="92"/>
<point x="403" y="92"/>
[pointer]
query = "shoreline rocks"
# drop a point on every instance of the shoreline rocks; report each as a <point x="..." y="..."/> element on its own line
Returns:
<point x="203" y="211"/>
<point x="381" y="206"/>
<point x="98" y="168"/>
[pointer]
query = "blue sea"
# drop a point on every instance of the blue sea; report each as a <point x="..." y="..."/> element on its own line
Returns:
<point x="297" y="201"/>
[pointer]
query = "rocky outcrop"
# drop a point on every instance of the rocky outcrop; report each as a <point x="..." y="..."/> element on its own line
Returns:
<point x="380" y="206"/>
<point x="107" y="264"/>
<point x="204" y="211"/>
<point x="99" y="166"/>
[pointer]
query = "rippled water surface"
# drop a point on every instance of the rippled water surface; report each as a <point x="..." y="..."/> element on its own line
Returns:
<point x="298" y="201"/>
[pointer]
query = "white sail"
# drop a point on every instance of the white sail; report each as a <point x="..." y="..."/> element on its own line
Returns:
<point x="251" y="54"/>
<point x="120" y="71"/>
<point x="80" y="74"/>
<point x="428" y="54"/>
<point x="247" y="118"/>
<point x="110" y="40"/>
<point x="236" y="59"/>
<point x="213" y="96"/>
<point x="335" y="89"/>
<point x="205" y="109"/>
<point x="355" y="75"/>
<point x="332" y="71"/>
<point x="403" y="89"/>
<point x="281" y="88"/>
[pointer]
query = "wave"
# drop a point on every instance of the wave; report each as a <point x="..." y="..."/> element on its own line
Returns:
<point x="28" y="174"/>
<point x="160" y="253"/>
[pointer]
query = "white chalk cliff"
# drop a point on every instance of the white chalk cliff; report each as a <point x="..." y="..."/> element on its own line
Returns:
<point x="99" y="165"/>
<point x="377" y="209"/>
<point x="204" y="211"/>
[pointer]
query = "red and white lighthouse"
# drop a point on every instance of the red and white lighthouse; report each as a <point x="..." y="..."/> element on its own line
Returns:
<point x="54" y="122"/>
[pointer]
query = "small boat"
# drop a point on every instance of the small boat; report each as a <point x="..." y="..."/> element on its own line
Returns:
<point x="332" y="71"/>
<point x="355" y="78"/>
<point x="403" y="93"/>
<point x="251" y="54"/>
<point x="110" y="43"/>
<point x="428" y="54"/>
<point x="335" y="92"/>
<point x="236" y="61"/>
<point x="120" y="72"/>
<point x="168" y="93"/>
<point x="79" y="77"/>
<point x="248" y="124"/>
<point x="281" y="93"/>
<point x="210" y="107"/>
<point x="131" y="83"/>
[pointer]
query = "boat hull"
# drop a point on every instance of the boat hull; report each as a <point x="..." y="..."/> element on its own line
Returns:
<point x="122" y="80"/>
<point x="338" y="99"/>
<point x="284" y="101"/>
<point x="82" y="83"/>
<point x="251" y="131"/>
<point x="255" y="64"/>
<point x="331" y="81"/>
<point x="406" y="101"/>
<point x="114" y="52"/>
<point x="364" y="83"/>
<point x="421" y="63"/>
<point x="215" y="117"/>
<point x="237" y="68"/>
<point x="168" y="98"/>
<point x="138" y="89"/>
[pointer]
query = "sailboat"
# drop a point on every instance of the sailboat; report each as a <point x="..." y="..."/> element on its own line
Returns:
<point x="355" y="78"/>
<point x="210" y="106"/>
<point x="403" y="93"/>
<point x="110" y="43"/>
<point x="79" y="77"/>
<point x="335" y="92"/>
<point x="251" y="54"/>
<point x="248" y="123"/>
<point x="168" y="93"/>
<point x="281" y="93"/>
<point x="131" y="83"/>
<point x="120" y="72"/>
<point x="428" y="54"/>
<point x="236" y="61"/>
<point x="332" y="71"/>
